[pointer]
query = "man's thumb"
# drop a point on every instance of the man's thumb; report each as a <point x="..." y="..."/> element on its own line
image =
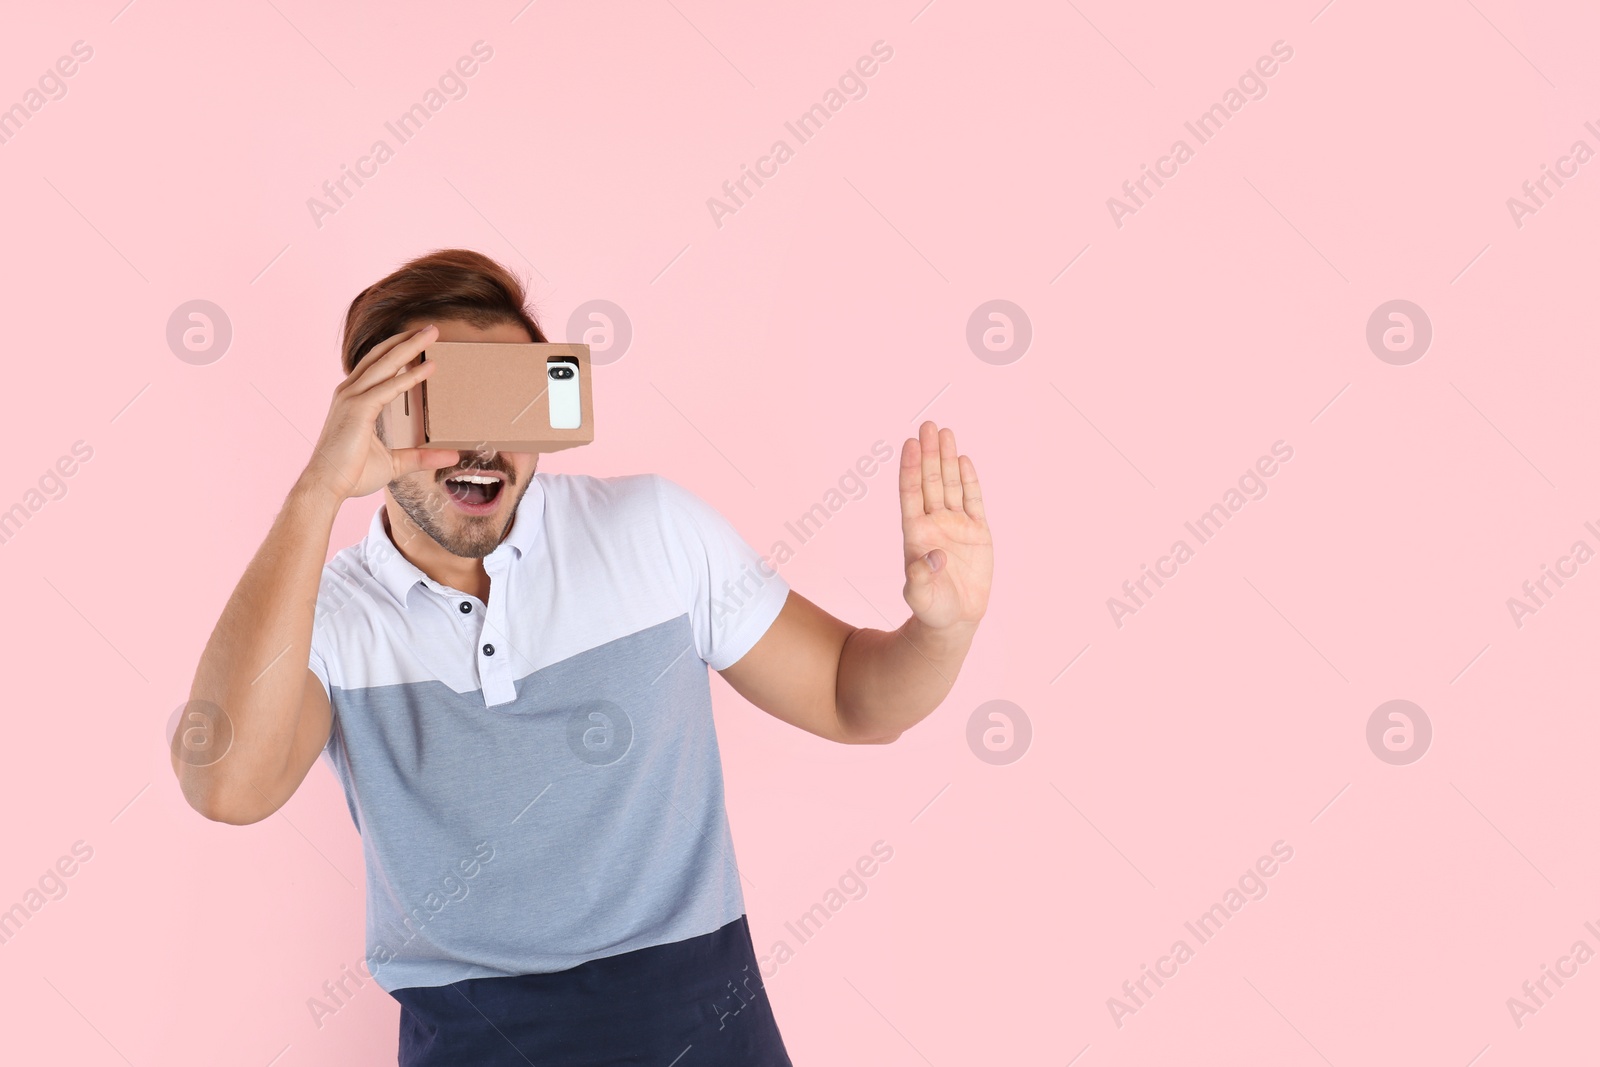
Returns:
<point x="410" y="460"/>
<point x="921" y="570"/>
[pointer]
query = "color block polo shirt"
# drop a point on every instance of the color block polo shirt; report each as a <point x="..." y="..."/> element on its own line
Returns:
<point x="536" y="779"/>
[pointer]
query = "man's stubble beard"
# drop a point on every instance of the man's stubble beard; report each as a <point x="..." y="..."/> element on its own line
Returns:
<point x="480" y="537"/>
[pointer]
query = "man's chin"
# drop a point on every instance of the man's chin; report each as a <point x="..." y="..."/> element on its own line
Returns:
<point x="467" y="536"/>
<point x="470" y="536"/>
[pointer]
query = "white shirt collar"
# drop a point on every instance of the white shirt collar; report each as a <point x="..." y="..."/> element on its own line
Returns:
<point x="399" y="575"/>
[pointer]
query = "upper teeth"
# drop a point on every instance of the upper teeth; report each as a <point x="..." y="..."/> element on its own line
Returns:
<point x="475" y="479"/>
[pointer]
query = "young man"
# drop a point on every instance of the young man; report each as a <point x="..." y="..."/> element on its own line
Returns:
<point x="508" y="675"/>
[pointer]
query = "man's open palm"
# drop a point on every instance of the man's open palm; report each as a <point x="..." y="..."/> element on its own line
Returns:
<point x="949" y="554"/>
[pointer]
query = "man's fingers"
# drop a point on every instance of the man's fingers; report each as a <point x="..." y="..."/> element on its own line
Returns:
<point x="375" y="353"/>
<point x="949" y="469"/>
<point x="390" y="388"/>
<point x="390" y="363"/>
<point x="971" y="494"/>
<point x="410" y="460"/>
<point x="393" y="361"/>
<point x="932" y="481"/>
<point x="910" y="480"/>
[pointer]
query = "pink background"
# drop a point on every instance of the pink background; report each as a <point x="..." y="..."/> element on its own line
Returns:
<point x="768" y="355"/>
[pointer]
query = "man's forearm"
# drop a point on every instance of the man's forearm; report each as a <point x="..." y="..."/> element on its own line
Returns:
<point x="891" y="680"/>
<point x="253" y="667"/>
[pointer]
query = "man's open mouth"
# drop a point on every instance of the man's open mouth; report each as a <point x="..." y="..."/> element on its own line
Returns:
<point x="474" y="490"/>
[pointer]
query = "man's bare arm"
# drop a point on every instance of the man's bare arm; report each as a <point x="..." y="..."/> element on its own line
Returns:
<point x="272" y="716"/>
<point x="865" y="686"/>
<point x="854" y="686"/>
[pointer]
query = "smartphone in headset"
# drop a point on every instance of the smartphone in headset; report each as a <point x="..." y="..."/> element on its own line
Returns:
<point x="566" y="412"/>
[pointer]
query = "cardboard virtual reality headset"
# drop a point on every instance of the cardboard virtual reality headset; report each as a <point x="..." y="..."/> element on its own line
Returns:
<point x="496" y="397"/>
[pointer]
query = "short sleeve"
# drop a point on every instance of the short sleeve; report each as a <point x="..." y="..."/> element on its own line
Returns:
<point x="322" y="629"/>
<point x="731" y="593"/>
<point x="319" y="667"/>
<point x="322" y="651"/>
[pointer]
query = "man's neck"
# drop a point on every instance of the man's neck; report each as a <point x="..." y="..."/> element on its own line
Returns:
<point x="431" y="558"/>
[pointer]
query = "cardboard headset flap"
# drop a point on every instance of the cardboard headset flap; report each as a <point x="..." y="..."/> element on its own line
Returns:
<point x="500" y="397"/>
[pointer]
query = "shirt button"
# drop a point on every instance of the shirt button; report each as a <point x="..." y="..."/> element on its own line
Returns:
<point x="488" y="650"/>
<point x="466" y="608"/>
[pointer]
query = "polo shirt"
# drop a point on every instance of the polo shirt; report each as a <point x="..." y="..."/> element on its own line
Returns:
<point x="536" y="779"/>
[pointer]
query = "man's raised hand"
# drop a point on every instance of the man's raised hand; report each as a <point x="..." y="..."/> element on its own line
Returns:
<point x="949" y="555"/>
<point x="349" y="459"/>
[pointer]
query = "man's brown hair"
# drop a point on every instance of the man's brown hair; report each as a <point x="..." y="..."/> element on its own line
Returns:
<point x="448" y="283"/>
